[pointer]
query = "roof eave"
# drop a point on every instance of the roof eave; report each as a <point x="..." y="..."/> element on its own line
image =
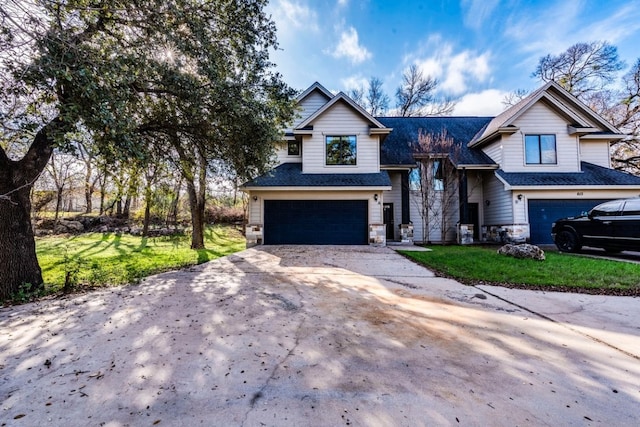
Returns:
<point x="380" y="131"/>
<point x="574" y="187"/>
<point x="478" y="167"/>
<point x="319" y="188"/>
<point x="503" y="130"/>
<point x="609" y="136"/>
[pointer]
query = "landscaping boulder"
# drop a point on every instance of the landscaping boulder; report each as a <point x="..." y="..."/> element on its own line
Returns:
<point x="65" y="226"/>
<point x="522" y="251"/>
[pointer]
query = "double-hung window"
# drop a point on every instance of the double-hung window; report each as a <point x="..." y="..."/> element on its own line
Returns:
<point x="540" y="149"/>
<point x="341" y="150"/>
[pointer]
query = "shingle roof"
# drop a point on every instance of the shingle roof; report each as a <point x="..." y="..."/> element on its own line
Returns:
<point x="399" y="146"/>
<point x="591" y="175"/>
<point x="290" y="175"/>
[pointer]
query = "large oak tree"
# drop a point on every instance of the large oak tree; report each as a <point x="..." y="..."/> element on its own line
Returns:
<point x="190" y="77"/>
<point x="590" y="72"/>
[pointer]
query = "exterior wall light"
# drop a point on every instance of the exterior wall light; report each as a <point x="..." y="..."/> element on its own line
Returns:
<point x="487" y="202"/>
<point x="519" y="196"/>
<point x="255" y="198"/>
<point x="375" y="197"/>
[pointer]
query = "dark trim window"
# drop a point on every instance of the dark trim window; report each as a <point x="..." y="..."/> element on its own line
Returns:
<point x="540" y="149"/>
<point x="341" y="150"/>
<point x="438" y="175"/>
<point x="293" y="148"/>
<point x="415" y="179"/>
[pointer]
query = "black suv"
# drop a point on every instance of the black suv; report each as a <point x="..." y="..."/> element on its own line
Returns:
<point x="613" y="226"/>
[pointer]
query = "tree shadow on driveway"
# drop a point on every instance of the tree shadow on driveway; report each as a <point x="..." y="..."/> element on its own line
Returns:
<point x="303" y="336"/>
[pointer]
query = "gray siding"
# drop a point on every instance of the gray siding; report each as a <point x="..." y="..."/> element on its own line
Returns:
<point x="500" y="209"/>
<point x="340" y="119"/>
<point x="309" y="105"/>
<point x="596" y="152"/>
<point x="540" y="119"/>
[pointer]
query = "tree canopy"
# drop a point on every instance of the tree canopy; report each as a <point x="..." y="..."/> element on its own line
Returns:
<point x="590" y="71"/>
<point x="191" y="78"/>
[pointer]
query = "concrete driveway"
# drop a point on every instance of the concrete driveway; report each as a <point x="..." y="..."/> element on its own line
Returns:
<point x="319" y="336"/>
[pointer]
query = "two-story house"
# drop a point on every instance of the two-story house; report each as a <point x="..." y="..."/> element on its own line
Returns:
<point x="345" y="177"/>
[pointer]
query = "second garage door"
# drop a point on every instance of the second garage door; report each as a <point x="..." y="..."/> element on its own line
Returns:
<point x="316" y="222"/>
<point x="542" y="213"/>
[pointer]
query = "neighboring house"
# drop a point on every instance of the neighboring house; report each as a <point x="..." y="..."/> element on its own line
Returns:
<point x="345" y="177"/>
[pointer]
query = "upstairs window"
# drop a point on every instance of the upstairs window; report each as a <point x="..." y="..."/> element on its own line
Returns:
<point x="540" y="149"/>
<point x="341" y="150"/>
<point x="293" y="148"/>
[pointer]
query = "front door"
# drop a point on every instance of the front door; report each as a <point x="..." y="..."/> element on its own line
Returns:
<point x="474" y="219"/>
<point x="387" y="209"/>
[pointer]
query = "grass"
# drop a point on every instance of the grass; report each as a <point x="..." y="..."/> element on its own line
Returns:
<point x="473" y="264"/>
<point x="98" y="259"/>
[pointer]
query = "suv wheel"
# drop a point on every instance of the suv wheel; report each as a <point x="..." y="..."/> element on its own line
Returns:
<point x="567" y="241"/>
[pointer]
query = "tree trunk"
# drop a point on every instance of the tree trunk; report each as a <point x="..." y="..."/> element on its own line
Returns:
<point x="196" y="207"/>
<point x="88" y="187"/>
<point x="103" y="191"/>
<point x="88" y="192"/>
<point x="172" y="215"/>
<point x="126" y="208"/>
<point x="147" y="210"/>
<point x="18" y="262"/>
<point x="59" y="194"/>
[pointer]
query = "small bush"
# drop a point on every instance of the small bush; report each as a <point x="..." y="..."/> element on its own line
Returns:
<point x="223" y="215"/>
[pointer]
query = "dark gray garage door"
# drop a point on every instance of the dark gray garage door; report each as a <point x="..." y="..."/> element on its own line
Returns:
<point x="316" y="222"/>
<point x="542" y="213"/>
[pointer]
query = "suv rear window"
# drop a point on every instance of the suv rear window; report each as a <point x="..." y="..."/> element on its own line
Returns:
<point x="607" y="209"/>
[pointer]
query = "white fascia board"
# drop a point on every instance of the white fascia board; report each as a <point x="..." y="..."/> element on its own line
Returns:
<point x="608" y="136"/>
<point x="581" y="130"/>
<point x="505" y="183"/>
<point x="382" y="188"/>
<point x="378" y="131"/>
<point x="573" y="187"/>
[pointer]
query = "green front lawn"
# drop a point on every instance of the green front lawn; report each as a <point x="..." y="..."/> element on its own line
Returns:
<point x="474" y="265"/>
<point x="109" y="259"/>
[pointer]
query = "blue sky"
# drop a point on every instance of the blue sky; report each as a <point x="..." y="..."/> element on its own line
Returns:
<point x="479" y="50"/>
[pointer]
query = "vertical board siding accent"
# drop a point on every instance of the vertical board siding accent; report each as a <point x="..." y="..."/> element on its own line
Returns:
<point x="340" y="120"/>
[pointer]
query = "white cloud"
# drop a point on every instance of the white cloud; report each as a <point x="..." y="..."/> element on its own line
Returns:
<point x="349" y="47"/>
<point x="620" y="25"/>
<point x="485" y="103"/>
<point x="343" y="3"/>
<point x="478" y="11"/>
<point x="455" y="71"/>
<point x="356" y="81"/>
<point x="291" y="14"/>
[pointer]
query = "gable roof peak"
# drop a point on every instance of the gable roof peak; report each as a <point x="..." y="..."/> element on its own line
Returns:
<point x="315" y="87"/>
<point x="557" y="96"/>
<point x="341" y="96"/>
